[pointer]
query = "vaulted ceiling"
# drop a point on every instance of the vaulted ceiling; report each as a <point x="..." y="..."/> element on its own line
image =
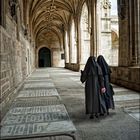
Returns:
<point x="48" y="18"/>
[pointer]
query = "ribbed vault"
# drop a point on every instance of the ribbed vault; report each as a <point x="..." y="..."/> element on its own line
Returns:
<point x="48" y="18"/>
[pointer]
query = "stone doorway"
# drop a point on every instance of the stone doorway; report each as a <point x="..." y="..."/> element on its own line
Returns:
<point x="44" y="56"/>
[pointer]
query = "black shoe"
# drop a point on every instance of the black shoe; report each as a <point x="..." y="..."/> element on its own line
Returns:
<point x="91" y="116"/>
<point x="96" y="115"/>
<point x="101" y="114"/>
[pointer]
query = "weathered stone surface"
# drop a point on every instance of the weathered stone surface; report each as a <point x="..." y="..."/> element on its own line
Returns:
<point x="38" y="93"/>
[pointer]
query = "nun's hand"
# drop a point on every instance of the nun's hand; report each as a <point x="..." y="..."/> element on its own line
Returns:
<point x="103" y="90"/>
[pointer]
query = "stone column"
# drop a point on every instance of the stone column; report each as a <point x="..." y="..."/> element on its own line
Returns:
<point x="64" y="45"/>
<point x="138" y="26"/>
<point x="129" y="51"/>
<point x="93" y="28"/>
<point x="123" y="33"/>
<point x="69" y="45"/>
<point x="134" y="51"/>
<point x="78" y="42"/>
<point x="77" y="34"/>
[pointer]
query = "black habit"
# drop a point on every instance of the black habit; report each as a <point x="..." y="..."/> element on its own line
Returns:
<point x="106" y="74"/>
<point x="92" y="76"/>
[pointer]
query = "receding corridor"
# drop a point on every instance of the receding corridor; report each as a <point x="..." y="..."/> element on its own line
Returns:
<point x="51" y="101"/>
<point x="45" y="46"/>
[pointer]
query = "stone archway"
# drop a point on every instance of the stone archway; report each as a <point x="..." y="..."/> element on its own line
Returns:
<point x="44" y="57"/>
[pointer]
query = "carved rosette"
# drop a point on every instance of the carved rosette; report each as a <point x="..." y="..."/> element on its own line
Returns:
<point x="106" y="4"/>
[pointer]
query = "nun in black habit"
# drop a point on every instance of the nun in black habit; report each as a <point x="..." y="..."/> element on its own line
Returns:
<point x="109" y="90"/>
<point x="94" y="88"/>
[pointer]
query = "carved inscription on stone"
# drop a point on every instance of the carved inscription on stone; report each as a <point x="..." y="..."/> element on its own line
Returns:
<point x="11" y="130"/>
<point x="25" y="130"/>
<point x="45" y="85"/>
<point x="35" y="118"/>
<point x="38" y="93"/>
<point x="38" y="120"/>
<point x="37" y="109"/>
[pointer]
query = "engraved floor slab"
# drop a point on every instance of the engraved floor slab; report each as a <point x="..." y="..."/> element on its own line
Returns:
<point x="35" y="114"/>
<point x="39" y="85"/>
<point x="37" y="109"/>
<point x="37" y="129"/>
<point x="35" y="118"/>
<point x="28" y="102"/>
<point x="38" y="93"/>
<point x="36" y="121"/>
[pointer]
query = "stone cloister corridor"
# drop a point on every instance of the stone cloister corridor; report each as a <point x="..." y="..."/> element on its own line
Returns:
<point x="43" y="46"/>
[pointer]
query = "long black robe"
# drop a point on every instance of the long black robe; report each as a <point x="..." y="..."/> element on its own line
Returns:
<point x="106" y="74"/>
<point x="92" y="76"/>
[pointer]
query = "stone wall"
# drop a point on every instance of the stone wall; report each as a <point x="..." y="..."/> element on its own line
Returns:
<point x="13" y="65"/>
<point x="126" y="76"/>
<point x="72" y="66"/>
<point x="57" y="61"/>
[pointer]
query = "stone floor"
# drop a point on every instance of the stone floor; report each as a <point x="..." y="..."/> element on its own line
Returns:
<point x="55" y="96"/>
